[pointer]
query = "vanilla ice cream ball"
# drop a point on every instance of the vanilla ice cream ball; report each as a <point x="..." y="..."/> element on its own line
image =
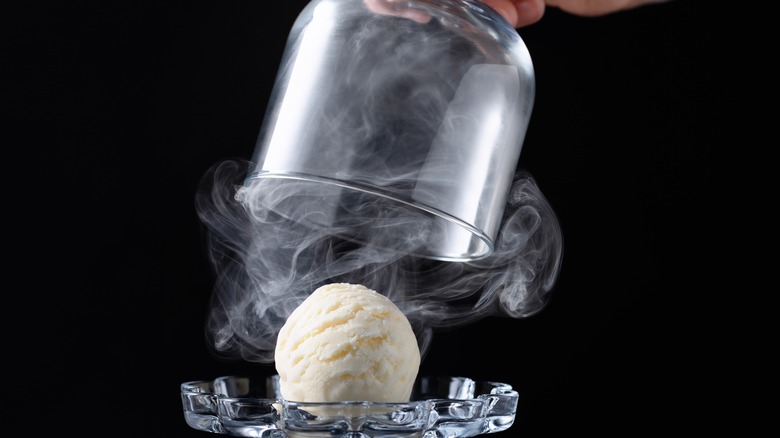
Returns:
<point x="346" y="342"/>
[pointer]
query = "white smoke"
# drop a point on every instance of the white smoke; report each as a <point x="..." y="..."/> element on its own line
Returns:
<point x="266" y="265"/>
<point x="399" y="105"/>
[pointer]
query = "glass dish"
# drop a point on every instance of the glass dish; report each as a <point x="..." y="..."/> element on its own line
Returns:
<point x="439" y="407"/>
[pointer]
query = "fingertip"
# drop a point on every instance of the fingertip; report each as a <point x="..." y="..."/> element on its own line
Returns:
<point x="528" y="12"/>
<point x="518" y="13"/>
<point x="506" y="8"/>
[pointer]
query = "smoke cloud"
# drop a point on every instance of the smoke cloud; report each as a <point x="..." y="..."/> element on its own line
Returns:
<point x="405" y="110"/>
<point x="266" y="265"/>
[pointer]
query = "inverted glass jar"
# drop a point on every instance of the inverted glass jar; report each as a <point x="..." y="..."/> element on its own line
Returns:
<point x="397" y="124"/>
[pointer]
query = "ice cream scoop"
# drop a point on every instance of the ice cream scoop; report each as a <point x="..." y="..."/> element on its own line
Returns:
<point x="346" y="342"/>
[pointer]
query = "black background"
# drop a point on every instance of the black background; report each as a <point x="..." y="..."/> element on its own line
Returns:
<point x="122" y="107"/>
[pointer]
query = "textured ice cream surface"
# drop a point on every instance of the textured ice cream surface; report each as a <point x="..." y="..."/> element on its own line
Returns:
<point x="346" y="342"/>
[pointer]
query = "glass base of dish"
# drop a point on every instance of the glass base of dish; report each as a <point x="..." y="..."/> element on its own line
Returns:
<point x="439" y="407"/>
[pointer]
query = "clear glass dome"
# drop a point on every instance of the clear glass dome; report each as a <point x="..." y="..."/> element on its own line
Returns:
<point x="396" y="123"/>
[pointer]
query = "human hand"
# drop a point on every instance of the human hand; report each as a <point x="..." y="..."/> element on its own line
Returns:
<point x="521" y="13"/>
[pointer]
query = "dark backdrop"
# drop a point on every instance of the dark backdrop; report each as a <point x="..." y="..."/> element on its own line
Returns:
<point x="123" y="106"/>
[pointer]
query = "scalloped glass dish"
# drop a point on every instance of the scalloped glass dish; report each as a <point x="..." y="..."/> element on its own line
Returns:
<point x="439" y="407"/>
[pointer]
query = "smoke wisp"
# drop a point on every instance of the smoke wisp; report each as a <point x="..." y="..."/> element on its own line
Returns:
<point x="387" y="158"/>
<point x="267" y="264"/>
